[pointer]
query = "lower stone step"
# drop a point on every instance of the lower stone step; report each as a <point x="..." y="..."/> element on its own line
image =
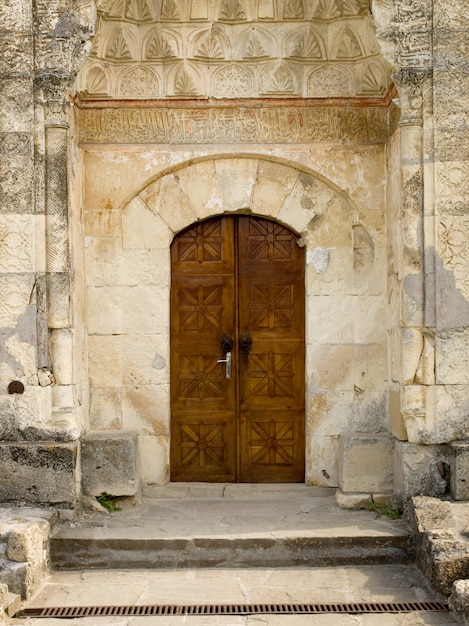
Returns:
<point x="68" y="553"/>
<point x="230" y="532"/>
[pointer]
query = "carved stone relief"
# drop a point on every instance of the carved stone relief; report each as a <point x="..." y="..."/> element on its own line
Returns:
<point x="336" y="39"/>
<point x="454" y="249"/>
<point x="16" y="237"/>
<point x="227" y="125"/>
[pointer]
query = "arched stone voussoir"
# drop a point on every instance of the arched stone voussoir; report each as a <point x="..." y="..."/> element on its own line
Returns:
<point x="236" y="179"/>
<point x="200" y="183"/>
<point x="274" y="183"/>
<point x="308" y="200"/>
<point x="168" y="200"/>
<point x="265" y="186"/>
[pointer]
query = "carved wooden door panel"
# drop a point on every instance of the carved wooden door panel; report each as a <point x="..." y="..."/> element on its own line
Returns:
<point x="243" y="278"/>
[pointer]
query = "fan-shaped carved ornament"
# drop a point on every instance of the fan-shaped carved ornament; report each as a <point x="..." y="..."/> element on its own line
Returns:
<point x="293" y="10"/>
<point x="280" y="82"/>
<point x="232" y="11"/>
<point x="211" y="46"/>
<point x="349" y="45"/>
<point x="254" y="48"/>
<point x="158" y="47"/>
<point x="170" y="10"/>
<point x="184" y="84"/>
<point x="139" y="11"/>
<point x="334" y="9"/>
<point x="96" y="82"/>
<point x="117" y="47"/>
<point x="115" y="8"/>
<point x="374" y="79"/>
<point x="304" y="44"/>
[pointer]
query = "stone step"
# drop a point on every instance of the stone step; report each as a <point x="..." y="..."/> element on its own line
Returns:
<point x="13" y="604"/>
<point x="275" y="531"/>
<point x="235" y="490"/>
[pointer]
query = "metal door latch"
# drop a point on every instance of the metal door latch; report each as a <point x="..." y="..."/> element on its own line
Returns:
<point x="228" y="364"/>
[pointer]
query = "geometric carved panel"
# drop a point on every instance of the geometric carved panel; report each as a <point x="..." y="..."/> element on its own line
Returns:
<point x="200" y="377"/>
<point x="271" y="374"/>
<point x="202" y="445"/>
<point x="200" y="308"/>
<point x="201" y="243"/>
<point x="270" y="306"/>
<point x="269" y="241"/>
<point x="271" y="443"/>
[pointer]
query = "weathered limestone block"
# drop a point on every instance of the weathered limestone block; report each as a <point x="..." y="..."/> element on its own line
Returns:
<point x="38" y="473"/>
<point x="460" y="471"/>
<point x="396" y="423"/>
<point x="459" y="599"/>
<point x="154" y="459"/>
<point x="366" y="463"/>
<point x="24" y="578"/>
<point x="110" y="463"/>
<point x="143" y="229"/>
<point x="61" y="349"/>
<point x="440" y="553"/>
<point x="199" y="182"/>
<point x="275" y="183"/>
<point x="435" y="414"/>
<point x="359" y="500"/>
<point x="26" y="543"/>
<point x="3" y="595"/>
<point x="163" y="196"/>
<point x="452" y="357"/>
<point x="421" y="470"/>
<point x="432" y="514"/>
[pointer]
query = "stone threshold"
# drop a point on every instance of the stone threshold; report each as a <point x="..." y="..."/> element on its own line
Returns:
<point x="235" y="490"/>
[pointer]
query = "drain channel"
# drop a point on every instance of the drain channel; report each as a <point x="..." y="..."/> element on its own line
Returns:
<point x="234" y="609"/>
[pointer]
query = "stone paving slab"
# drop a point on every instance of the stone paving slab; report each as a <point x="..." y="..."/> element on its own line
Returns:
<point x="391" y="583"/>
<point x="183" y="518"/>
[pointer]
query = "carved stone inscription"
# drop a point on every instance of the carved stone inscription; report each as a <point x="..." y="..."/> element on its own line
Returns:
<point x="234" y="125"/>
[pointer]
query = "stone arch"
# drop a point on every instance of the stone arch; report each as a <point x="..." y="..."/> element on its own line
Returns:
<point x="295" y="196"/>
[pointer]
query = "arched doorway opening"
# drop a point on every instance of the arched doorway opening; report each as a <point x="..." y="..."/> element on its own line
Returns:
<point x="237" y="352"/>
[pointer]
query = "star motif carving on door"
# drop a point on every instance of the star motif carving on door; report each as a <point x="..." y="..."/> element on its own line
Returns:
<point x="269" y="241"/>
<point x="270" y="306"/>
<point x="271" y="374"/>
<point x="201" y="244"/>
<point x="200" y="308"/>
<point x="202" y="444"/>
<point x="200" y="377"/>
<point x="271" y="442"/>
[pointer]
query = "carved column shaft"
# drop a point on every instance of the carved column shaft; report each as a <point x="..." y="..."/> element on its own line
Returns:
<point x="57" y="231"/>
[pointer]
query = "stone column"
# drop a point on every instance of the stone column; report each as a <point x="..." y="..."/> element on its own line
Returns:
<point x="416" y="274"/>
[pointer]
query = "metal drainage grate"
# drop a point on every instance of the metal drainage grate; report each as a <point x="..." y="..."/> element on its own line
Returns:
<point x="234" y="609"/>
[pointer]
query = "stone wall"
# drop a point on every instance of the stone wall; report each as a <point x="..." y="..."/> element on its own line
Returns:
<point x="127" y="273"/>
<point x="385" y="208"/>
<point x="40" y="395"/>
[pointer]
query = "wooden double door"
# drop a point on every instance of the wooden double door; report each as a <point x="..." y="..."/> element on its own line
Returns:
<point x="237" y="352"/>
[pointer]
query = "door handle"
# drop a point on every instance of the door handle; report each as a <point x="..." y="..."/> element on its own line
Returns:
<point x="228" y="364"/>
<point x="245" y="342"/>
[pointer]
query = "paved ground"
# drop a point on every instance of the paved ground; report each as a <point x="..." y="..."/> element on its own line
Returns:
<point x="372" y="583"/>
<point x="246" y="511"/>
